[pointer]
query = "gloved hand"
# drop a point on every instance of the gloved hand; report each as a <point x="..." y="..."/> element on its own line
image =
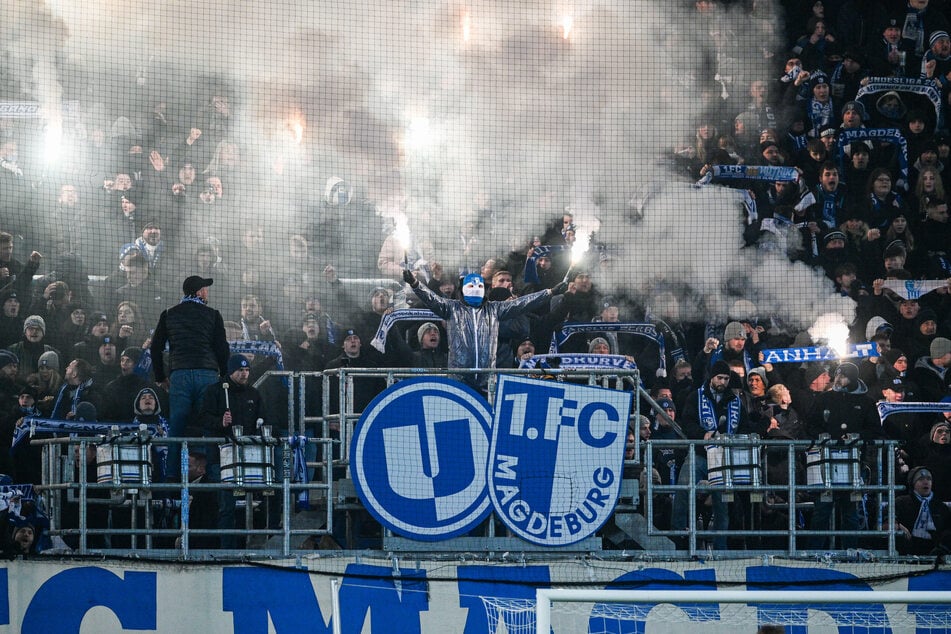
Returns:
<point x="410" y="278"/>
<point x="559" y="289"/>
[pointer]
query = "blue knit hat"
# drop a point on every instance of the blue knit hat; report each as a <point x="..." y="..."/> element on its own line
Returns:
<point x="236" y="362"/>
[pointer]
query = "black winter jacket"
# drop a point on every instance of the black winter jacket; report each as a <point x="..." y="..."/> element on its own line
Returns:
<point x="196" y="339"/>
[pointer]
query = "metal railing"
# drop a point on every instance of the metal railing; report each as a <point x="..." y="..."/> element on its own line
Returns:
<point x="274" y="527"/>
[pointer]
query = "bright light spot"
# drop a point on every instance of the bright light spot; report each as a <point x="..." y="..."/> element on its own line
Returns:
<point x="296" y="126"/>
<point x="53" y="142"/>
<point x="832" y="328"/>
<point x="401" y="232"/>
<point x="566" y="23"/>
<point x="580" y="247"/>
<point x="466" y="27"/>
<point x="419" y="135"/>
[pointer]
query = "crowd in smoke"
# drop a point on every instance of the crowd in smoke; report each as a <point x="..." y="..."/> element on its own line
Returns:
<point x="302" y="161"/>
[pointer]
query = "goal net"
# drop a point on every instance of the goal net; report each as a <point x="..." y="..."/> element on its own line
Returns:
<point x="558" y="611"/>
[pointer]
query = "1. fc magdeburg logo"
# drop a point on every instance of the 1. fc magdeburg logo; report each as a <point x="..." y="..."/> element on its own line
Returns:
<point x="556" y="459"/>
<point x="418" y="458"/>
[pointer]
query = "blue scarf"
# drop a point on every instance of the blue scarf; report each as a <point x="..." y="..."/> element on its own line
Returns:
<point x="914" y="29"/>
<point x="883" y="135"/>
<point x="806" y="354"/>
<point x="924" y="522"/>
<point x="193" y="298"/>
<point x="831" y="203"/>
<point x="887" y="409"/>
<point x="881" y="211"/>
<point x="770" y="173"/>
<point x="819" y="114"/>
<point x="708" y="416"/>
<point x="152" y="258"/>
<point x="76" y="395"/>
<point x="923" y="87"/>
<point x="389" y="320"/>
<point x="298" y="443"/>
<point x="531" y="273"/>
<point x="580" y="361"/>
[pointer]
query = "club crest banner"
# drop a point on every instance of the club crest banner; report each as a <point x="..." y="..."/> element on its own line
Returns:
<point x="556" y="458"/>
<point x="418" y="458"/>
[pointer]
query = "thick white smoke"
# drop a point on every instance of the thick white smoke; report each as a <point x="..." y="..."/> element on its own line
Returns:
<point x="526" y="107"/>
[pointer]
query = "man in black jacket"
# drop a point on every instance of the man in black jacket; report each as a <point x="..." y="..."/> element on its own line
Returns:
<point x="220" y="412"/>
<point x="197" y="351"/>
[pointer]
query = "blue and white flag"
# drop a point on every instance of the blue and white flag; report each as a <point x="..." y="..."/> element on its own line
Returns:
<point x="403" y="314"/>
<point x="32" y="426"/>
<point x="556" y="459"/>
<point x="418" y="458"/>
<point x="914" y="289"/>
<point x="809" y="354"/>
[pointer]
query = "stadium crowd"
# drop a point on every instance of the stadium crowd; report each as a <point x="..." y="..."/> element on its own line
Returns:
<point x="92" y="252"/>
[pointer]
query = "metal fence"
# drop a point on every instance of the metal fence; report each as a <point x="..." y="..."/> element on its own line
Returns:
<point x="768" y="488"/>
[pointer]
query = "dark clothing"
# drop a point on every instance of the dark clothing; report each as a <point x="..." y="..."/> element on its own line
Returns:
<point x="907" y="508"/>
<point x="364" y="388"/>
<point x="848" y="413"/>
<point x="29" y="355"/>
<point x="120" y="397"/>
<point x="246" y="408"/>
<point x="932" y="381"/>
<point x="196" y="339"/>
<point x="695" y="427"/>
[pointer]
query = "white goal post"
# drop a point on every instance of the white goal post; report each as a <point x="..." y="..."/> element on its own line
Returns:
<point x="545" y="597"/>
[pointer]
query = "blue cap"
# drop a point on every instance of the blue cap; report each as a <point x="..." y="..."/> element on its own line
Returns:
<point x="236" y="362"/>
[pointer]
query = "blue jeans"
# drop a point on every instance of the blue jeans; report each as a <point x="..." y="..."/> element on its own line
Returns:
<point x="185" y="388"/>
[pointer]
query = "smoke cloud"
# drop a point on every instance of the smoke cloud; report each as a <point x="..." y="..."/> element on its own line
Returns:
<point x="497" y="115"/>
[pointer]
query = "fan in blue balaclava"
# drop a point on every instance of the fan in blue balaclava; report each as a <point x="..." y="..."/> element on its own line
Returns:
<point x="473" y="289"/>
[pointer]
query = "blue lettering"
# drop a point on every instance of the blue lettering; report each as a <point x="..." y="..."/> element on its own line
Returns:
<point x="584" y="424"/>
<point x="658" y="579"/>
<point x="476" y="582"/>
<point x="251" y="594"/>
<point x="930" y="618"/>
<point x="287" y="596"/>
<point x="60" y="604"/>
<point x="393" y="610"/>
<point x="784" y="578"/>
